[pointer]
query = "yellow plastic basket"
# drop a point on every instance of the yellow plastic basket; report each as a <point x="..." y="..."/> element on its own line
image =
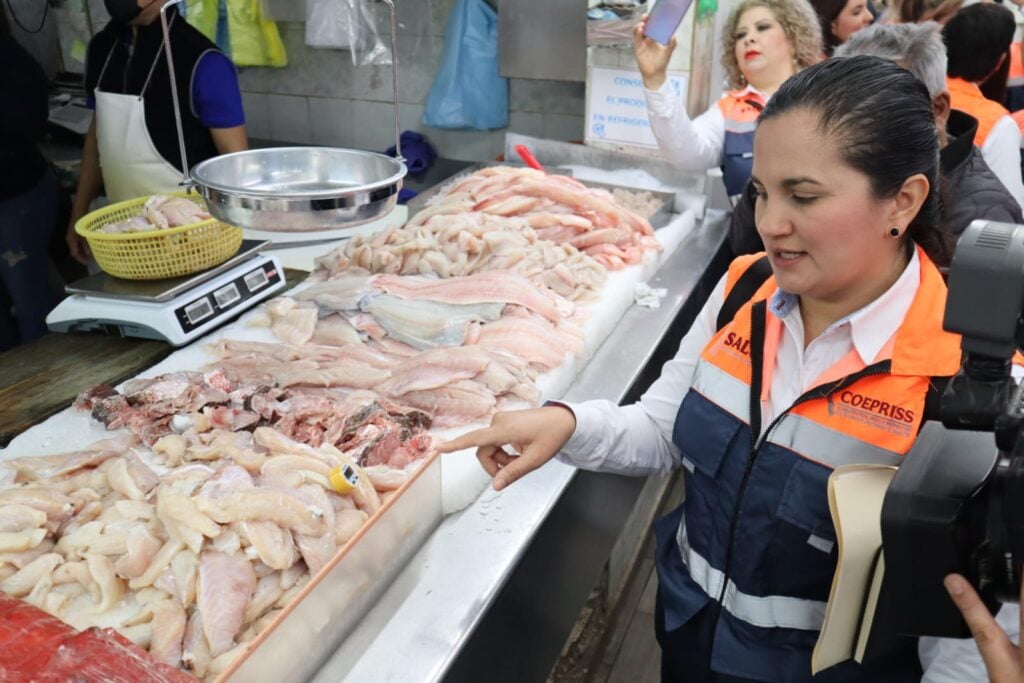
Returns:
<point x="157" y="254"/>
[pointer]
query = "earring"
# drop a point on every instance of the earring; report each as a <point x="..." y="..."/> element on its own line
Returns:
<point x="894" y="232"/>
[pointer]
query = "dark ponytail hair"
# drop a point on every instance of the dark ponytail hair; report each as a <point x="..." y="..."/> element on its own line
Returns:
<point x="882" y="119"/>
<point x="827" y="11"/>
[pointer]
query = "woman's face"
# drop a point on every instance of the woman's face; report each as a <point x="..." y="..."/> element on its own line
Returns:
<point x="852" y="18"/>
<point x="825" y="233"/>
<point x="761" y="44"/>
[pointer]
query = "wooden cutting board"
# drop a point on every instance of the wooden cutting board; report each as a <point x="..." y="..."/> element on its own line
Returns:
<point x="44" y="377"/>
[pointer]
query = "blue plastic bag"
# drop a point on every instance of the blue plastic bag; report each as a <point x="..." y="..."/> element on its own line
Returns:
<point x="468" y="92"/>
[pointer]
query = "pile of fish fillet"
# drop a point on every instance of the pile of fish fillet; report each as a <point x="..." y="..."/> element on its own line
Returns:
<point x="191" y="529"/>
<point x="510" y="219"/>
<point x="158" y="213"/>
<point x="191" y="548"/>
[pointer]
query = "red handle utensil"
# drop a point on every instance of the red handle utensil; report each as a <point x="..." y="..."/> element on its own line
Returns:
<point x="527" y="156"/>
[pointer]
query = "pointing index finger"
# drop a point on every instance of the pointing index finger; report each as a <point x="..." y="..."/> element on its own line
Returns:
<point x="488" y="436"/>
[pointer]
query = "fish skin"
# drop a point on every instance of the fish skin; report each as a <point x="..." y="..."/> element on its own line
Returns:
<point x="427" y="324"/>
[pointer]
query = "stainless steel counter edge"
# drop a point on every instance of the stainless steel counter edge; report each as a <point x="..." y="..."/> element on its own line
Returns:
<point x="416" y="630"/>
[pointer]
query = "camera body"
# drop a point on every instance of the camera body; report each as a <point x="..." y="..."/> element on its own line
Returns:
<point x="957" y="502"/>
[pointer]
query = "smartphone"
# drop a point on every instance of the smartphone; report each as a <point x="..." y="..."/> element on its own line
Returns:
<point x="665" y="18"/>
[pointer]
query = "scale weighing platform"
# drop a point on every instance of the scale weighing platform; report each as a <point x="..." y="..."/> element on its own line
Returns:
<point x="175" y="310"/>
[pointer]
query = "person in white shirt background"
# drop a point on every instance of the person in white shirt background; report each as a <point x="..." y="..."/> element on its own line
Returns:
<point x="764" y="42"/>
<point x="846" y="168"/>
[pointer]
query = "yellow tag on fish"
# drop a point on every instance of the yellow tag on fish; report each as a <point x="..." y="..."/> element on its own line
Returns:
<point x="343" y="478"/>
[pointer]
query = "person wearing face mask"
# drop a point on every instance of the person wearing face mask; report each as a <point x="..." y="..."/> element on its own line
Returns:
<point x="764" y="43"/>
<point x="132" y="148"/>
<point x="840" y="19"/>
<point x="829" y="361"/>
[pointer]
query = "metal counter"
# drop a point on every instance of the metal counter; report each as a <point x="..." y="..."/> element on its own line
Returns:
<point x="493" y="593"/>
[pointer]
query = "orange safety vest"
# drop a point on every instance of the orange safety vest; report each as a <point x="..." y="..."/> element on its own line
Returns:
<point x="740" y="108"/>
<point x="754" y="529"/>
<point x="1016" y="76"/>
<point x="967" y="97"/>
<point x="920" y="350"/>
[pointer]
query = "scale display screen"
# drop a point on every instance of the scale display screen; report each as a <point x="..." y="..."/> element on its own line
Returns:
<point x="256" y="280"/>
<point x="225" y="299"/>
<point x="226" y="296"/>
<point x="198" y="311"/>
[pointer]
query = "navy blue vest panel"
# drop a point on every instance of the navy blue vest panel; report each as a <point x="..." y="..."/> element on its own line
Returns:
<point x="737" y="160"/>
<point x="783" y="552"/>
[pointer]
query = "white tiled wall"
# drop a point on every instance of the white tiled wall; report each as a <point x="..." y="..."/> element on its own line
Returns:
<point x="321" y="98"/>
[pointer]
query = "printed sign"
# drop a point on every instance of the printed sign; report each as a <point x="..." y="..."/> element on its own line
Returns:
<point x="617" y="108"/>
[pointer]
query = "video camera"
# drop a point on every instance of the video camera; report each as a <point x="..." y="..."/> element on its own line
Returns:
<point x="956" y="504"/>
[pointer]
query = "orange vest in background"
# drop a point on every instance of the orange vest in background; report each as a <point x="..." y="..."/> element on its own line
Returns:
<point x="966" y="97"/>
<point x="1016" y="76"/>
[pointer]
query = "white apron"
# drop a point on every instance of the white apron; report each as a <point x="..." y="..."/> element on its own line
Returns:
<point x="131" y="165"/>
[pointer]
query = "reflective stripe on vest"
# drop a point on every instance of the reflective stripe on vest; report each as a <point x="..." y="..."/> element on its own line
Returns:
<point x="768" y="611"/>
<point x="795" y="432"/>
<point x="1015" y="77"/>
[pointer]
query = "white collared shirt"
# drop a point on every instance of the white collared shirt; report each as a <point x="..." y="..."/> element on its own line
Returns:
<point x="690" y="144"/>
<point x="637" y="439"/>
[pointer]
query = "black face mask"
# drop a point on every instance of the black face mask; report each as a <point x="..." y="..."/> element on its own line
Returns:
<point x="122" y="11"/>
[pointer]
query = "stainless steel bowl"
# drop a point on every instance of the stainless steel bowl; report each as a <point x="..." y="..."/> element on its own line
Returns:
<point x="299" y="189"/>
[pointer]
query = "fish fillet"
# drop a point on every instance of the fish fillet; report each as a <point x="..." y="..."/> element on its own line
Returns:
<point x="268" y="506"/>
<point x="226" y="585"/>
<point x="489" y="286"/>
<point x="426" y="324"/>
<point x="22" y="583"/>
<point x="169" y="622"/>
<point x="14" y="518"/>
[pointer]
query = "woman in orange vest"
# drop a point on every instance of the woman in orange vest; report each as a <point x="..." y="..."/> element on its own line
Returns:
<point x="764" y="43"/>
<point x="829" y="362"/>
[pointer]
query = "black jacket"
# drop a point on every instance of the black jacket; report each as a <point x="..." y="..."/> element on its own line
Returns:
<point x="972" y="191"/>
<point x="22" y="119"/>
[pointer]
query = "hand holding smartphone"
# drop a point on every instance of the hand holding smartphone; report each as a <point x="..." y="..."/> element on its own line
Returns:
<point x="664" y="19"/>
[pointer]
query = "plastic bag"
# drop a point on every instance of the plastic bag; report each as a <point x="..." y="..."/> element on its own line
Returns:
<point x="613" y="27"/>
<point x="346" y="25"/>
<point x="467" y="91"/>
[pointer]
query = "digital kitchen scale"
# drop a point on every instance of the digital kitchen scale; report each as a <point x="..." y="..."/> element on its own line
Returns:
<point x="175" y="310"/>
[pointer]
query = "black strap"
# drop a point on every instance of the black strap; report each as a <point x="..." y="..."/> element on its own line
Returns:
<point x="933" y="399"/>
<point x="757" y="334"/>
<point x="745" y="288"/>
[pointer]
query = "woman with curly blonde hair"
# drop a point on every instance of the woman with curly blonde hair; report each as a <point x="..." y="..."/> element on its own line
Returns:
<point x="764" y="42"/>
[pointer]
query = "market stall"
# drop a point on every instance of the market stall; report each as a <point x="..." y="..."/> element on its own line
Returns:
<point x="437" y="586"/>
